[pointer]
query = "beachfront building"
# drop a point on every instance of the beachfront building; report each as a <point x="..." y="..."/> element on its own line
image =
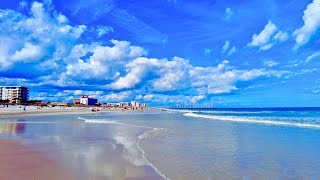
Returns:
<point x="112" y="104"/>
<point x="124" y="104"/>
<point x="14" y="94"/>
<point x="76" y="101"/>
<point x="62" y="104"/>
<point x="137" y="104"/>
<point x="134" y="104"/>
<point x="85" y="100"/>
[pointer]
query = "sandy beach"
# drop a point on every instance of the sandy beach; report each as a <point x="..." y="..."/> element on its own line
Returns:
<point x="20" y="162"/>
<point x="34" y="110"/>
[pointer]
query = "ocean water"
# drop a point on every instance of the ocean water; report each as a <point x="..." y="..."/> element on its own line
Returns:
<point x="255" y="143"/>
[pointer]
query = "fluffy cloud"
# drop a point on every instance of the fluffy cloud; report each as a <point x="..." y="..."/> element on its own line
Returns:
<point x="102" y="30"/>
<point x="311" y="20"/>
<point x="166" y="75"/>
<point x="197" y="98"/>
<point x="47" y="39"/>
<point x="264" y="36"/>
<point x="179" y="74"/>
<point x="147" y="97"/>
<point x="222" y="79"/>
<point x="28" y="53"/>
<point x="268" y="37"/>
<point x="36" y="37"/>
<point x="133" y="77"/>
<point x="281" y="36"/>
<point x="105" y="61"/>
<point x="172" y="75"/>
<point x="66" y="95"/>
<point x="82" y="92"/>
<point x="116" y="97"/>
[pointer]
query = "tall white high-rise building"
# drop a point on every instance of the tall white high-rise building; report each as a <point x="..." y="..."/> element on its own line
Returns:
<point x="15" y="94"/>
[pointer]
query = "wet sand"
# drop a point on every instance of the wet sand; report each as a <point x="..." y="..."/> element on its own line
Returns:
<point x="69" y="150"/>
<point x="20" y="162"/>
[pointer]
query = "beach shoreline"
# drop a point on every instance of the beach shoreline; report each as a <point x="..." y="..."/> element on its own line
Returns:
<point x="33" y="110"/>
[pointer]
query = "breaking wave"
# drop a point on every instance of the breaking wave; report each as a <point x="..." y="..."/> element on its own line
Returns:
<point x="103" y="121"/>
<point x="252" y="120"/>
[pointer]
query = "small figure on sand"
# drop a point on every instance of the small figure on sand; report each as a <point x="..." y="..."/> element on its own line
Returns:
<point x="25" y="108"/>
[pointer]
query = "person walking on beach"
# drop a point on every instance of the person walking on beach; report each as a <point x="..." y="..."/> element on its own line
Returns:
<point x="24" y="108"/>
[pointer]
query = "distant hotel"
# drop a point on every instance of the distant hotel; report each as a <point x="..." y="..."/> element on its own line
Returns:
<point x="85" y="100"/>
<point x="137" y="104"/>
<point x="14" y="94"/>
<point x="132" y="104"/>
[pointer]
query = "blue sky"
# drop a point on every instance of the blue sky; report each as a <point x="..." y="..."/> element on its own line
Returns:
<point x="164" y="52"/>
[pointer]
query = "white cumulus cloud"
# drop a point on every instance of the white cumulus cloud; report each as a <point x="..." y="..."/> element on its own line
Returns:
<point x="29" y="52"/>
<point x="35" y="37"/>
<point x="48" y="38"/>
<point x="268" y="37"/>
<point x="197" y="98"/>
<point x="311" y="19"/>
<point x="116" y="97"/>
<point x="264" y="36"/>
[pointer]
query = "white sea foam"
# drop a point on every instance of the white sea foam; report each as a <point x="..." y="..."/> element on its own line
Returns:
<point x="255" y="121"/>
<point x="100" y="121"/>
<point x="103" y="121"/>
<point x="140" y="137"/>
<point x="237" y="112"/>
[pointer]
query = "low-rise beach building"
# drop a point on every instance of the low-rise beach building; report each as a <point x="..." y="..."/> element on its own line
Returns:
<point x="85" y="100"/>
<point x="113" y="104"/>
<point x="14" y="94"/>
<point x="62" y="104"/>
<point x="124" y="104"/>
<point x="76" y="101"/>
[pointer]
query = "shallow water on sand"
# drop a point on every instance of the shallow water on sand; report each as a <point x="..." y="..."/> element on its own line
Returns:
<point x="86" y="150"/>
<point x="196" y="144"/>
